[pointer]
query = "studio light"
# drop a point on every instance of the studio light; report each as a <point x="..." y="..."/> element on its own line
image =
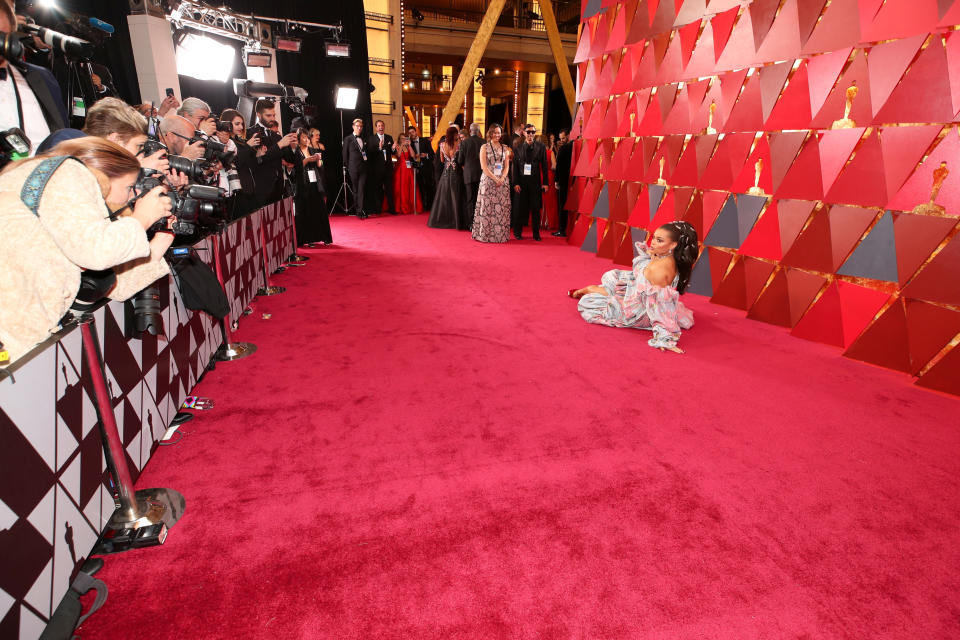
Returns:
<point x="337" y="49"/>
<point x="204" y="58"/>
<point x="252" y="58"/>
<point x="286" y="43"/>
<point x="48" y="4"/>
<point x="347" y="97"/>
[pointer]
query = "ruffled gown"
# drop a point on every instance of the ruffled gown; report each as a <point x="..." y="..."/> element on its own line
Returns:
<point x="633" y="302"/>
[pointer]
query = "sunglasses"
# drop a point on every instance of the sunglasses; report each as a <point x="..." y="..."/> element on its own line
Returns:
<point x="530" y="131"/>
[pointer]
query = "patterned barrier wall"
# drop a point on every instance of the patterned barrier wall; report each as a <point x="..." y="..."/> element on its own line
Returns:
<point x="805" y="141"/>
<point x="54" y="488"/>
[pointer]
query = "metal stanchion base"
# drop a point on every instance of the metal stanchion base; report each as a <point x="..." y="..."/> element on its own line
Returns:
<point x="235" y="351"/>
<point x="270" y="291"/>
<point x="157" y="511"/>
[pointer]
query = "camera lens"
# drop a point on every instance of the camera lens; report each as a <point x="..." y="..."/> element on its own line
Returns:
<point x="147" y="314"/>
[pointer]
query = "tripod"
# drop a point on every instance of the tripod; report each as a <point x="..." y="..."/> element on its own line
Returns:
<point x="345" y="188"/>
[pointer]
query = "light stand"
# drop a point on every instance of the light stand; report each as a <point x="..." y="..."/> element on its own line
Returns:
<point x="142" y="517"/>
<point x="229" y="350"/>
<point x="346" y="98"/>
<point x="345" y="187"/>
<point x="267" y="289"/>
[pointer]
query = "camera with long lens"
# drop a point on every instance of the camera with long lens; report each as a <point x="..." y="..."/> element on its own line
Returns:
<point x="214" y="150"/>
<point x="194" y="206"/>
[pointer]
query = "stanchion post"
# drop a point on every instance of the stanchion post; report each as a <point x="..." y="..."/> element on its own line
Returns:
<point x="229" y="350"/>
<point x="136" y="509"/>
<point x="267" y="289"/>
<point x="295" y="259"/>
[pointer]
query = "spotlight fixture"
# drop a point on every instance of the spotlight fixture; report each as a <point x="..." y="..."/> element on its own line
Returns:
<point x="254" y="58"/>
<point x="287" y="43"/>
<point x="336" y="49"/>
<point x="496" y="72"/>
<point x="347" y="97"/>
<point x="417" y="15"/>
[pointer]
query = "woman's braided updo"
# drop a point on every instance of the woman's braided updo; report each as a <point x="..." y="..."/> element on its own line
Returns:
<point x="686" y="252"/>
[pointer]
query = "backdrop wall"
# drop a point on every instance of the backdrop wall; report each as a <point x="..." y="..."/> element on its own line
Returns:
<point x="845" y="236"/>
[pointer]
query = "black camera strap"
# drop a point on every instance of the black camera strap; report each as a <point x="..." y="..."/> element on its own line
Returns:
<point x="16" y="92"/>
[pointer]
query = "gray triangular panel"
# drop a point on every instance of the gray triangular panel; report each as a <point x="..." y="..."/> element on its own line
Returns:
<point x="726" y="230"/>
<point x="602" y="208"/>
<point x="748" y="210"/>
<point x="590" y="241"/>
<point x="700" y="281"/>
<point x="655" y="193"/>
<point x="876" y="256"/>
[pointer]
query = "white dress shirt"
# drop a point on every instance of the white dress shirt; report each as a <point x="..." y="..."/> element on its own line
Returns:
<point x="34" y="124"/>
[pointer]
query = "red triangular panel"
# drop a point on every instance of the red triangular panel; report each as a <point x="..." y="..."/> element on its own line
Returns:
<point x="835" y="149"/>
<point x="764" y="239"/>
<point x="793" y="214"/>
<point x="916" y="237"/>
<point x="901" y="19"/>
<point x="903" y="147"/>
<point x="886" y="64"/>
<point x="835" y="105"/>
<point x="884" y="343"/>
<point x="688" y="40"/>
<point x="747" y="113"/>
<point x="812" y="249"/>
<point x="803" y="180"/>
<point x="783" y="40"/>
<point x="917" y="189"/>
<point x="712" y="203"/>
<point x="938" y="280"/>
<point x="772" y="79"/>
<point x="792" y="110"/>
<point x="822" y="322"/>
<point x="722" y="24"/>
<point x="923" y="95"/>
<point x="930" y="328"/>
<point x="858" y="306"/>
<point x="944" y="375"/>
<point x="862" y="181"/>
<point x="838" y="28"/>
<point x="732" y="291"/>
<point x="784" y="146"/>
<point x="823" y="72"/>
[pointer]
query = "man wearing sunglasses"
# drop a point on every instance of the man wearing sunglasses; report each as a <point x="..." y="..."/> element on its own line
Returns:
<point x="530" y="180"/>
<point x="176" y="132"/>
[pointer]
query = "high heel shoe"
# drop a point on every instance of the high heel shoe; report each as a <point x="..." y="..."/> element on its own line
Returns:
<point x="571" y="293"/>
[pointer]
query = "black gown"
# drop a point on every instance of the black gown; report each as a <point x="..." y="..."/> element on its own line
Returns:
<point x="447" y="209"/>
<point x="312" y="219"/>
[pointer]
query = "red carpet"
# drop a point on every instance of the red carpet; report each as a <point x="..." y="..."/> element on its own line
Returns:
<point x="430" y="443"/>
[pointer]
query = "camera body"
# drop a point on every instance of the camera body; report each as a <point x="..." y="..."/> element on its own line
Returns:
<point x="14" y="145"/>
<point x="193" y="206"/>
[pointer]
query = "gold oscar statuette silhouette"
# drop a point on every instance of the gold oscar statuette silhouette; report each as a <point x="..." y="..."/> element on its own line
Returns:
<point x="660" y="180"/>
<point x="713" y="109"/>
<point x="932" y="208"/>
<point x="756" y="189"/>
<point x="846" y="122"/>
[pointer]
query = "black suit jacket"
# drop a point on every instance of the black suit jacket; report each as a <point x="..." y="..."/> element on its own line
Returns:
<point x="422" y="145"/>
<point x="539" y="172"/>
<point x="353" y="156"/>
<point x="564" y="156"/>
<point x="376" y="157"/>
<point x="245" y="163"/>
<point x="45" y="88"/>
<point x="468" y="157"/>
<point x="266" y="172"/>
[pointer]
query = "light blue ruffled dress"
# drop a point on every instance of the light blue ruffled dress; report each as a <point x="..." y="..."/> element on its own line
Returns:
<point x="633" y="302"/>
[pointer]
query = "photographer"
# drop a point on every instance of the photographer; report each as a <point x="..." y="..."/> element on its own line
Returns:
<point x="272" y="150"/>
<point x="29" y="95"/>
<point x="118" y="122"/>
<point x="68" y="228"/>
<point x="178" y="133"/>
<point x="244" y="198"/>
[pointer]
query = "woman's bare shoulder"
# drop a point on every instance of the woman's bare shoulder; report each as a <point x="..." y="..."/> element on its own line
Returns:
<point x="660" y="273"/>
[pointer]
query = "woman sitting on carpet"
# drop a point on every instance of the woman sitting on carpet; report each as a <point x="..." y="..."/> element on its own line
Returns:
<point x="647" y="296"/>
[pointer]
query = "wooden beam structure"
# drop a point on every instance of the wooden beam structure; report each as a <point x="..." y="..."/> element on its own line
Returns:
<point x="465" y="79"/>
<point x="563" y="69"/>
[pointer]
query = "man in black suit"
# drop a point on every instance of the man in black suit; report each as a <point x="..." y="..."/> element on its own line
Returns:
<point x="381" y="168"/>
<point x="531" y="179"/>
<point x="29" y="95"/>
<point x="357" y="159"/>
<point x="562" y="180"/>
<point x="273" y="149"/>
<point x="424" y="155"/>
<point x="468" y="157"/>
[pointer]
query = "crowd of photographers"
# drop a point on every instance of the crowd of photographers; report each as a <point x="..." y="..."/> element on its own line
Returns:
<point x="88" y="215"/>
